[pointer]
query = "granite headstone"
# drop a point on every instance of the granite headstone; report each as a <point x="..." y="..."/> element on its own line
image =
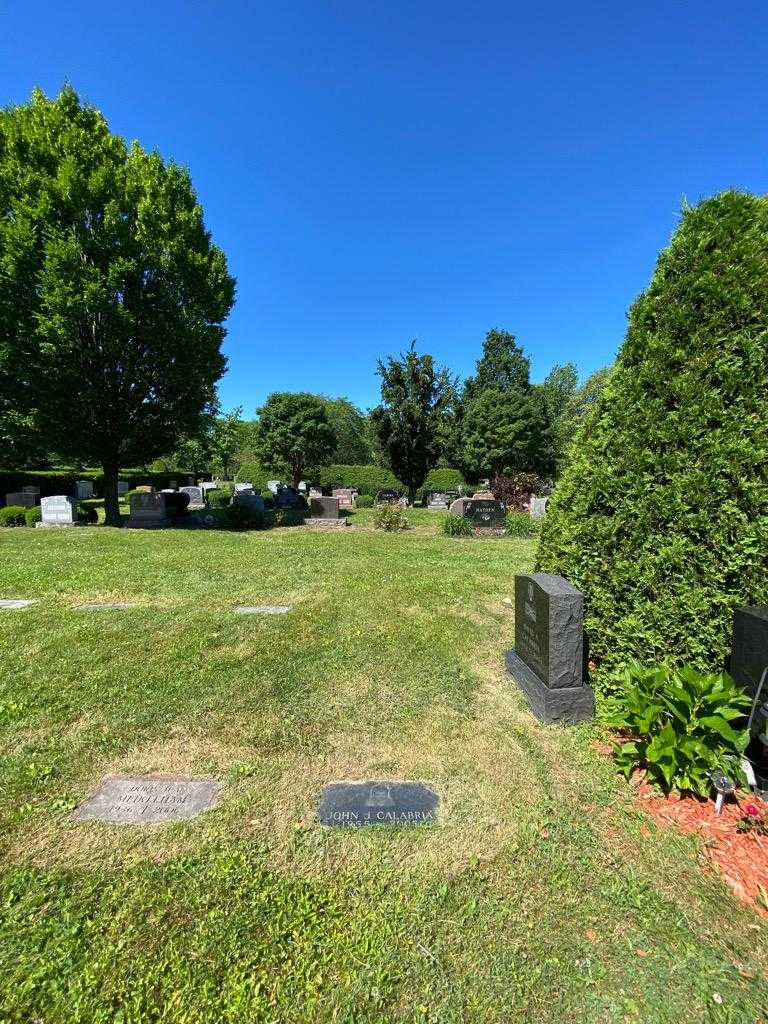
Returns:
<point x="357" y="804"/>
<point x="57" y="510"/>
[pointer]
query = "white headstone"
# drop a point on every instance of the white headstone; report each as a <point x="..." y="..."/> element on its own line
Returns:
<point x="273" y="485"/>
<point x="58" y="510"/>
<point x="195" y="496"/>
<point x="243" y="487"/>
<point x="208" y="485"/>
<point x="538" y="507"/>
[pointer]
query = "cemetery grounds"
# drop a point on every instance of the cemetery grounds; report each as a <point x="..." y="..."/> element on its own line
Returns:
<point x="544" y="894"/>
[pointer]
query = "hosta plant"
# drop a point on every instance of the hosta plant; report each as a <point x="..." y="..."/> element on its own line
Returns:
<point x="680" y="725"/>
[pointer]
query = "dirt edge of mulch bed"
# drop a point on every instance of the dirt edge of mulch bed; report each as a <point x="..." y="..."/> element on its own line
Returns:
<point x="741" y="858"/>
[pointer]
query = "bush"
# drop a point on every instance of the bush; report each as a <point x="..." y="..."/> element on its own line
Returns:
<point x="364" y="501"/>
<point x="390" y="517"/>
<point x="457" y="526"/>
<point x="33" y="515"/>
<point x="219" y="497"/>
<point x="367" y="479"/>
<point x="269" y="498"/>
<point x="678" y="726"/>
<point x="516" y="490"/>
<point x="254" y="474"/>
<point x="286" y="517"/>
<point x="86" y="514"/>
<point x="444" y="480"/>
<point x="520" y="524"/>
<point x="13" y="515"/>
<point x="661" y="516"/>
<point x="241" y="517"/>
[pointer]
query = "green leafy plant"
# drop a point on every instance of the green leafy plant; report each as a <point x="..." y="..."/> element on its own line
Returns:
<point x="364" y="501"/>
<point x="240" y="517"/>
<point x="755" y="820"/>
<point x="520" y="524"/>
<point x="390" y="517"/>
<point x="13" y="515"/>
<point x="219" y="497"/>
<point x="457" y="526"/>
<point x="680" y="725"/>
<point x="33" y="515"/>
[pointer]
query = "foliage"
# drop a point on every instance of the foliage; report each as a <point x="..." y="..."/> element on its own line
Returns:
<point x="367" y="479"/>
<point x="680" y="725"/>
<point x="364" y="501"/>
<point x="754" y="820"/>
<point x="33" y="515"/>
<point x="457" y="526"/>
<point x="350" y="427"/>
<point x="286" y="517"/>
<point x="444" y="479"/>
<point x="507" y="432"/>
<point x="390" y="517"/>
<point x="520" y="524"/>
<point x="87" y="514"/>
<point x="408" y="423"/>
<point x="242" y="517"/>
<point x="576" y="407"/>
<point x="557" y="391"/>
<point x="503" y="366"/>
<point x="219" y="497"/>
<point x="661" y="516"/>
<point x="516" y="490"/>
<point x="294" y="435"/>
<point x="112" y="289"/>
<point x="13" y="515"/>
<point x="254" y="474"/>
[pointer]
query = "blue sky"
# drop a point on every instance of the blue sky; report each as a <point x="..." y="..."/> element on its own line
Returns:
<point x="382" y="171"/>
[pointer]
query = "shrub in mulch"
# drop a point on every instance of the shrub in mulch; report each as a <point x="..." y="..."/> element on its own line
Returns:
<point x="734" y="842"/>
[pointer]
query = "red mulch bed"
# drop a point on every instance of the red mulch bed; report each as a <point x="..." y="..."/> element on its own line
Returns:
<point x="741" y="857"/>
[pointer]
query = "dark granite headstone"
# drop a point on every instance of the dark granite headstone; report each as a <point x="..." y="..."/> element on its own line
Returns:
<point x="148" y="509"/>
<point x="355" y="804"/>
<point x="749" y="650"/>
<point x="548" y="660"/>
<point x="324" y="508"/>
<point x="485" y="513"/>
<point x="148" y="800"/>
<point x="288" y="497"/>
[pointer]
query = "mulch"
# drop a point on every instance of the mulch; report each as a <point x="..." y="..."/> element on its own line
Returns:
<point x="741" y="858"/>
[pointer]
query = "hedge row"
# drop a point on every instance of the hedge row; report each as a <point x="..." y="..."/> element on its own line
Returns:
<point x="62" y="481"/>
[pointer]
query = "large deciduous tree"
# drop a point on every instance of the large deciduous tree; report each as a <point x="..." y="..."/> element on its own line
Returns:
<point x="112" y="295"/>
<point x="409" y="423"/>
<point x="294" y="434"/>
<point x="353" y="447"/>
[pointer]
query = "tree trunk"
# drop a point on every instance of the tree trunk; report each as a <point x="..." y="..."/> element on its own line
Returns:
<point x="111" y="501"/>
<point x="298" y="468"/>
<point x="411" y="495"/>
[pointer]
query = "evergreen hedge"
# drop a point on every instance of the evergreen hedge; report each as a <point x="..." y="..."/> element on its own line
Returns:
<point x="661" y="516"/>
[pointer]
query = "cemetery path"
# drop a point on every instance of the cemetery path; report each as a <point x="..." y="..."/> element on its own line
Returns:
<point x="542" y="895"/>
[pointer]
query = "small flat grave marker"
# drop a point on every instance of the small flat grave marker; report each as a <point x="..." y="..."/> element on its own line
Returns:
<point x="262" y="609"/>
<point x="14" y="603"/>
<point x="356" y="804"/>
<point x="96" y="606"/>
<point x="148" y="800"/>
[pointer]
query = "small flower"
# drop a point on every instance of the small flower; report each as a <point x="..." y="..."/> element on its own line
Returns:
<point x="752" y="810"/>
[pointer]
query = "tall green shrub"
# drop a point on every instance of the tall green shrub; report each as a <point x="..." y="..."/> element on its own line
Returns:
<point x="661" y="516"/>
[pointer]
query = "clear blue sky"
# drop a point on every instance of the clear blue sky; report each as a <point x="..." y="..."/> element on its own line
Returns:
<point x="382" y="171"/>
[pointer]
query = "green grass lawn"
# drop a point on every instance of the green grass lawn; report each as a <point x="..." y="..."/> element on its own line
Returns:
<point x="543" y="895"/>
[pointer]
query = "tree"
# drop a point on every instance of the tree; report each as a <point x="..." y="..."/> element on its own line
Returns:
<point x="661" y="515"/>
<point x="503" y="366"/>
<point x="294" y="435"/>
<point x="349" y="424"/>
<point x="408" y="423"/>
<point x="506" y="432"/>
<point x="112" y="295"/>
<point x="557" y="390"/>
<point x="576" y="407"/>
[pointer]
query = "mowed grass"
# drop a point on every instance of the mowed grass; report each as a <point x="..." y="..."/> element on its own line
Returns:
<point x="543" y="895"/>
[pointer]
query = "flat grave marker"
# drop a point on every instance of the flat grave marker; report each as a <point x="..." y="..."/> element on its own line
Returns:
<point x="262" y="609"/>
<point x="148" y="799"/>
<point x="358" y="804"/>
<point x="15" y="603"/>
<point x="97" y="606"/>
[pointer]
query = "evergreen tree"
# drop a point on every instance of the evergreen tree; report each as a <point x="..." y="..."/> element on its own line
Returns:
<point x="661" y="516"/>
<point x="506" y="432"/>
<point x="409" y="423"/>
<point x="294" y="435"/>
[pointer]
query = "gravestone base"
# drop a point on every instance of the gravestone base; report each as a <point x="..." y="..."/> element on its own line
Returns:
<point x="567" y="704"/>
<point x="58" y="526"/>
<point x="147" y="524"/>
<point x="328" y="524"/>
<point x="490" y="531"/>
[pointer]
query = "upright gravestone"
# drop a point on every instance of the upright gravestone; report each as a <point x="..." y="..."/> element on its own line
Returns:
<point x="324" y="512"/>
<point x="208" y="485"/>
<point x="273" y="486"/>
<point x="315" y="492"/>
<point x="148" y="511"/>
<point x="538" y="507"/>
<point x="243" y="486"/>
<point x="84" y="489"/>
<point x="24" y="498"/>
<point x="749" y="649"/>
<point x="195" y="497"/>
<point x="457" y="506"/>
<point x="485" y="513"/>
<point x="122" y="488"/>
<point x="548" y="660"/>
<point x="248" y="498"/>
<point x="345" y="495"/>
<point x="57" y="510"/>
